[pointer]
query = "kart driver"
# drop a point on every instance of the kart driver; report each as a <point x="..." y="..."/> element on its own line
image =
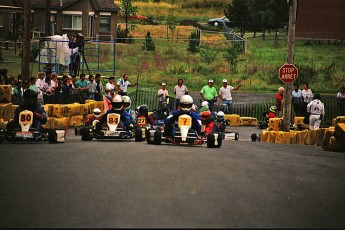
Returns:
<point x="186" y="103"/>
<point x="117" y="107"/>
<point x="30" y="103"/>
<point x="207" y="121"/>
<point x="96" y="115"/>
<point x="144" y="112"/>
<point x="126" y="106"/>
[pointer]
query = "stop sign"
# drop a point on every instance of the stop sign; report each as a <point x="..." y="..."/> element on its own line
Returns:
<point x="288" y="73"/>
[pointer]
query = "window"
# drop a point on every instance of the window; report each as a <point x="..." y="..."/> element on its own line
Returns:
<point x="1" y="20"/>
<point x="72" y="22"/>
<point x="104" y="24"/>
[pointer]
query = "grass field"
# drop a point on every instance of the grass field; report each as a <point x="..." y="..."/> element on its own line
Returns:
<point x="321" y="64"/>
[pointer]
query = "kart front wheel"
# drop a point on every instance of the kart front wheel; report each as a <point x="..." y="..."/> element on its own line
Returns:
<point x="52" y="136"/>
<point x="210" y="141"/>
<point x="85" y="134"/>
<point x="138" y="135"/>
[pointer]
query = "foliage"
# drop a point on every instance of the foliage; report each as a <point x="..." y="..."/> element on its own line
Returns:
<point x="194" y="41"/>
<point x="208" y="55"/>
<point x="231" y="55"/>
<point x="128" y="10"/>
<point x="148" y="45"/>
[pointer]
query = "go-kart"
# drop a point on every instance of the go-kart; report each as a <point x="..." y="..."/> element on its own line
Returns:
<point x="183" y="134"/>
<point x="113" y="129"/>
<point x="27" y="133"/>
<point x="227" y="134"/>
<point x="142" y="129"/>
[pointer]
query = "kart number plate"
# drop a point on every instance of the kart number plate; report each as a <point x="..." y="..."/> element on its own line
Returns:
<point x="141" y="121"/>
<point x="113" y="119"/>
<point x="112" y="134"/>
<point x="185" y="121"/>
<point x="25" y="134"/>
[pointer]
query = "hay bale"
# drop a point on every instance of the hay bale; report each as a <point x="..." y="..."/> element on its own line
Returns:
<point x="339" y="132"/>
<point x="60" y="111"/>
<point x="327" y="137"/>
<point x="264" y="135"/>
<point x="6" y="112"/>
<point x="235" y="119"/>
<point x="275" y="124"/>
<point x="248" y="121"/>
<point x="5" y="93"/>
<point x="77" y="120"/>
<point x="73" y="109"/>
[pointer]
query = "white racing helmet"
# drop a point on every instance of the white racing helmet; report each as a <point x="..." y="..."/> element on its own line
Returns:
<point x="126" y="102"/>
<point x="186" y="103"/>
<point x="96" y="112"/>
<point x="117" y="102"/>
<point x="220" y="116"/>
<point x="204" y="104"/>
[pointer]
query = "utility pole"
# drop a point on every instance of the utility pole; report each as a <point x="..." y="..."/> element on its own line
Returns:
<point x="26" y="41"/>
<point x="290" y="60"/>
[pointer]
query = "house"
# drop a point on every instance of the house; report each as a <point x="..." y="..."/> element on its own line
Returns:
<point x="89" y="17"/>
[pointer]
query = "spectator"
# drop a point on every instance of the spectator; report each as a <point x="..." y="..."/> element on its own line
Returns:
<point x="307" y="95"/>
<point x="32" y="84"/>
<point x="280" y="101"/>
<point x="58" y="93"/>
<point x="297" y="101"/>
<point x="209" y="94"/>
<point x="225" y="96"/>
<point x="123" y="84"/>
<point x="3" y="76"/>
<point x="17" y="92"/>
<point x="54" y="80"/>
<point x="83" y="86"/>
<point x="74" y="56"/>
<point x="99" y="87"/>
<point x="341" y="102"/>
<point x="92" y="89"/>
<point x="204" y="107"/>
<point x="111" y="84"/>
<point x="317" y="111"/>
<point x="48" y="90"/>
<point x="66" y="89"/>
<point x="162" y="94"/>
<point x="179" y="91"/>
<point x="39" y="86"/>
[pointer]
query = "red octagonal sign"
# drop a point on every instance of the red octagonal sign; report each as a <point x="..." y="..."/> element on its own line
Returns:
<point x="288" y="73"/>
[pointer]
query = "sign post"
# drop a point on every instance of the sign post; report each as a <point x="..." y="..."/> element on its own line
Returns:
<point x="289" y="72"/>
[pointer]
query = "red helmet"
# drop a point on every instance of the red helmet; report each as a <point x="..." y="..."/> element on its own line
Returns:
<point x="205" y="115"/>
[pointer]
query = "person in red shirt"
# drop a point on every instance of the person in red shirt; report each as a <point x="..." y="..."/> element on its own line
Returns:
<point x="280" y="101"/>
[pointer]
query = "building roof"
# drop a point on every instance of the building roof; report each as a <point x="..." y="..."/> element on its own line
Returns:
<point x="99" y="5"/>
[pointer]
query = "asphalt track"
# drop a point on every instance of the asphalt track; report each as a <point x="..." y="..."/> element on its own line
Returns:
<point x="107" y="184"/>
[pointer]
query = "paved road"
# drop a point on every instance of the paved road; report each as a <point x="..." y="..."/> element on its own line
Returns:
<point x="128" y="184"/>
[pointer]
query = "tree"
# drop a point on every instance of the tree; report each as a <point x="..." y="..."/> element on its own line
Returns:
<point x="171" y="23"/>
<point x="238" y="14"/>
<point x="194" y="40"/>
<point x="128" y="9"/>
<point x="148" y="45"/>
<point x="231" y="55"/>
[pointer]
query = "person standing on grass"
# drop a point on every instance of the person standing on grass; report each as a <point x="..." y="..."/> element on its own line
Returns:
<point x="162" y="94"/>
<point x="209" y="94"/>
<point x="280" y="101"/>
<point x="297" y="100"/>
<point x="92" y="89"/>
<point x="341" y="101"/>
<point x="179" y="91"/>
<point x="111" y="84"/>
<point x="307" y="95"/>
<point x="225" y="96"/>
<point x="123" y="84"/>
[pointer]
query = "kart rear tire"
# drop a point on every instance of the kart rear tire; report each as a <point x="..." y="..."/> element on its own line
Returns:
<point x="237" y="136"/>
<point x="157" y="137"/>
<point x="210" y="141"/>
<point x="148" y="138"/>
<point x="220" y="139"/>
<point x="138" y="135"/>
<point x="52" y="136"/>
<point x="85" y="134"/>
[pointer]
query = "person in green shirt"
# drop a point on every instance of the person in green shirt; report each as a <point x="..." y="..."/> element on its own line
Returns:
<point x="32" y="84"/>
<point x="209" y="94"/>
<point x="83" y="86"/>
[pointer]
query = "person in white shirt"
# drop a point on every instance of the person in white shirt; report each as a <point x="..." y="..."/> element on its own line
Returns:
<point x="307" y="95"/>
<point x="179" y="91"/>
<point x="111" y="84"/>
<point x="162" y="94"/>
<point x="225" y="96"/>
<point x="40" y="86"/>
<point x="123" y="84"/>
<point x="317" y="111"/>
